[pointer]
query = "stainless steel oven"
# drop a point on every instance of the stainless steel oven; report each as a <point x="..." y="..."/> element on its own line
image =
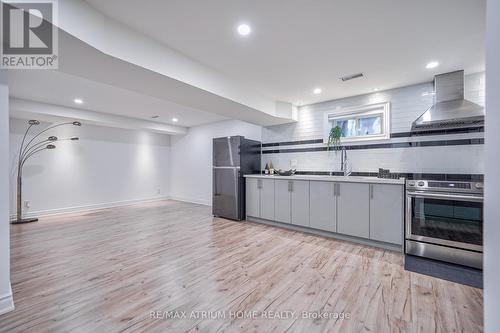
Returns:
<point x="444" y="221"/>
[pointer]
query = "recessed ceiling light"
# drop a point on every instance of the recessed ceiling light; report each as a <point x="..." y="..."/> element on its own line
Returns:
<point x="244" y="29"/>
<point x="317" y="91"/>
<point x="175" y="120"/>
<point x="432" y="64"/>
<point x="78" y="101"/>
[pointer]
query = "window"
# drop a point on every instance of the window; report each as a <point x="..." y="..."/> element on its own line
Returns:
<point x="369" y="122"/>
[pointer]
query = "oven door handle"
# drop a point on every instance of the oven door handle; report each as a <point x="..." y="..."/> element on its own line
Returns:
<point x="460" y="197"/>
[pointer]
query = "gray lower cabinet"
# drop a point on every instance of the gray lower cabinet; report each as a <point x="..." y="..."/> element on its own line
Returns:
<point x="299" y="190"/>
<point x="353" y="204"/>
<point x="252" y="197"/>
<point x="267" y="199"/>
<point x="291" y="202"/>
<point x="372" y="211"/>
<point x="386" y="213"/>
<point x="259" y="198"/>
<point x="282" y="200"/>
<point x="323" y="206"/>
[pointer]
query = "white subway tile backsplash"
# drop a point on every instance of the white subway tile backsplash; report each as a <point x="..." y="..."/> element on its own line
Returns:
<point x="407" y="104"/>
<point x="474" y="88"/>
<point x="449" y="159"/>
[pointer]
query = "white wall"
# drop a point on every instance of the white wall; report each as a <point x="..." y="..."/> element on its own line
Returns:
<point x="107" y="166"/>
<point x="191" y="158"/>
<point x="492" y="194"/>
<point x="407" y="104"/>
<point x="5" y="291"/>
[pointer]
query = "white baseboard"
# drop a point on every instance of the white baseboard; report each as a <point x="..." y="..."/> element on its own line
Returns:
<point x="77" y="209"/>
<point x="6" y="302"/>
<point x="191" y="200"/>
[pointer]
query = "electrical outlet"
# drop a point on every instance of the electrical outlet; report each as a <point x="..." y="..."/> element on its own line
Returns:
<point x="27" y="204"/>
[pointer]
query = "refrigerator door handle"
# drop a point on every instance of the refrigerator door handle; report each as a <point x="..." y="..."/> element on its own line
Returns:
<point x="236" y="174"/>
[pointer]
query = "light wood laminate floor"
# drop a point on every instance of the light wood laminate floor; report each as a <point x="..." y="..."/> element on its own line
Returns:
<point x="107" y="270"/>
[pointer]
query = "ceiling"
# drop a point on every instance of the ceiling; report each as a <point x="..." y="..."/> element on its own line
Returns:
<point x="297" y="45"/>
<point x="110" y="85"/>
<point x="59" y="88"/>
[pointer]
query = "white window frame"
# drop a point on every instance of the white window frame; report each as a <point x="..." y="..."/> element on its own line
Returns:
<point x="383" y="109"/>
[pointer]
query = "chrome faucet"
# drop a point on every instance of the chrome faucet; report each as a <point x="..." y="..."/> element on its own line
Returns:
<point x="344" y="164"/>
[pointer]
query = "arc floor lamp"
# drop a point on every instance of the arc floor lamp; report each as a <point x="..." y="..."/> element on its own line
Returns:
<point x="27" y="151"/>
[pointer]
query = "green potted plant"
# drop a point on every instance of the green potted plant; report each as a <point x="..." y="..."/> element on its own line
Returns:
<point x="334" y="137"/>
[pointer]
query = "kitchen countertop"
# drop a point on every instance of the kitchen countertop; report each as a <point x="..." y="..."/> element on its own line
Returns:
<point x="351" y="179"/>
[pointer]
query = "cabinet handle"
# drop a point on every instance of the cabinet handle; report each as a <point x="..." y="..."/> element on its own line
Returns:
<point x="259" y="184"/>
<point x="338" y="190"/>
<point x="371" y="191"/>
<point x="290" y="186"/>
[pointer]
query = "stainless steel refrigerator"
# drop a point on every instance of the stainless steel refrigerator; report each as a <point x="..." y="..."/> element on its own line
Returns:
<point x="233" y="157"/>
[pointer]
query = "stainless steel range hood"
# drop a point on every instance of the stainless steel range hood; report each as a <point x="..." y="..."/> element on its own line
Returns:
<point x="450" y="109"/>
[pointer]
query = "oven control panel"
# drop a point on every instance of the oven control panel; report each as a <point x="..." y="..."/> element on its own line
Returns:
<point x="444" y="186"/>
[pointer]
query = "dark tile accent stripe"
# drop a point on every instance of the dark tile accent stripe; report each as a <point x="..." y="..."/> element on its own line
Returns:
<point x="292" y="143"/>
<point x="438" y="132"/>
<point x="393" y="135"/>
<point x="415" y="175"/>
<point x="460" y="142"/>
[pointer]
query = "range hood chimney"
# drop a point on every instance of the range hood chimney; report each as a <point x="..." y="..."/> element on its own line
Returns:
<point x="450" y="109"/>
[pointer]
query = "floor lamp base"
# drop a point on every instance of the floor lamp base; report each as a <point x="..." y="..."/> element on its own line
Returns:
<point x="21" y="221"/>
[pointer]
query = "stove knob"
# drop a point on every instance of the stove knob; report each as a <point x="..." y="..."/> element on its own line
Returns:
<point x="420" y="183"/>
<point x="411" y="183"/>
<point x="479" y="186"/>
